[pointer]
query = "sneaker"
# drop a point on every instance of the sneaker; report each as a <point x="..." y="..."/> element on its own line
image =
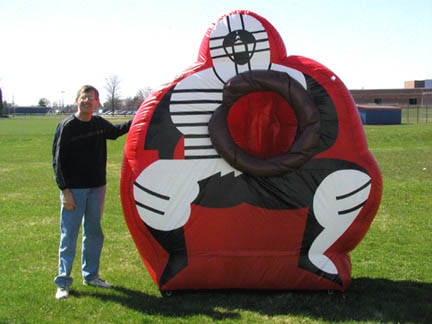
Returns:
<point x="98" y="282"/>
<point x="62" y="293"/>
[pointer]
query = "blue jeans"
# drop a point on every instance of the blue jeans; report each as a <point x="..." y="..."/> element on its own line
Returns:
<point x="89" y="203"/>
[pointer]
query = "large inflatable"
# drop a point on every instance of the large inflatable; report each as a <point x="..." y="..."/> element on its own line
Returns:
<point x="249" y="170"/>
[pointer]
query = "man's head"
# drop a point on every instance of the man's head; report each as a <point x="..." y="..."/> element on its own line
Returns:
<point x="87" y="100"/>
<point x="87" y="89"/>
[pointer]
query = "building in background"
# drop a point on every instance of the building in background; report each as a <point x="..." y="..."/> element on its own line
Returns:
<point x="415" y="93"/>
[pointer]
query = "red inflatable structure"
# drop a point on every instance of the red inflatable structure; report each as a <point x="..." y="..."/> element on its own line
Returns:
<point x="250" y="170"/>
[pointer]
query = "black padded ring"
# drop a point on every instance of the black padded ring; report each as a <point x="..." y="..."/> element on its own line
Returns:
<point x="308" y="123"/>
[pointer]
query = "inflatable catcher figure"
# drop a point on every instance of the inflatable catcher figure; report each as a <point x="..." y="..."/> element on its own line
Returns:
<point x="250" y="170"/>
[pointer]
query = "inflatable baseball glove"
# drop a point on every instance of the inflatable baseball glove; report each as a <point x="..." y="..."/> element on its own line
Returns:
<point x="249" y="170"/>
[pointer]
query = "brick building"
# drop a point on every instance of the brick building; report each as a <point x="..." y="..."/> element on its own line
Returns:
<point x="415" y="93"/>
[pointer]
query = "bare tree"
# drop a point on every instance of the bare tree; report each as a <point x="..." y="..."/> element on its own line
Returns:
<point x="1" y="103"/>
<point x="2" y="106"/>
<point x="141" y="95"/>
<point x="131" y="104"/>
<point x="113" y="88"/>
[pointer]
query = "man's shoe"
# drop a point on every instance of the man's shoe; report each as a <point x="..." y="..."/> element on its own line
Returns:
<point x="62" y="293"/>
<point x="98" y="282"/>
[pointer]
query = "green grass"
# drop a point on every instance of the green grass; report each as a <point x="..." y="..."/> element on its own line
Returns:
<point x="392" y="266"/>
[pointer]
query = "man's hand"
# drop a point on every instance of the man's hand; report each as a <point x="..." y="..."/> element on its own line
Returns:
<point x="68" y="200"/>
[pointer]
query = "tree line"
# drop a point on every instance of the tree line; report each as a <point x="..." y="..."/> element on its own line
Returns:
<point x="113" y="99"/>
<point x="112" y="102"/>
<point x="1" y="104"/>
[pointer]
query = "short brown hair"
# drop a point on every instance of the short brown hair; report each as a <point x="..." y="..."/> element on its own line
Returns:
<point x="87" y="88"/>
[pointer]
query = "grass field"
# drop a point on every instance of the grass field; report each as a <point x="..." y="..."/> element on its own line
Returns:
<point x="392" y="266"/>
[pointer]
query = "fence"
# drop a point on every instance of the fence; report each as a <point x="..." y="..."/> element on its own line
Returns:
<point x="416" y="114"/>
<point x="410" y="115"/>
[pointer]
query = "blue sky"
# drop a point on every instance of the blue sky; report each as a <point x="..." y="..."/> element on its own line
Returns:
<point x="49" y="48"/>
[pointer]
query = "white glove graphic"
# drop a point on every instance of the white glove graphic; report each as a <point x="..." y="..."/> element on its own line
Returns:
<point x="164" y="191"/>
<point x="337" y="202"/>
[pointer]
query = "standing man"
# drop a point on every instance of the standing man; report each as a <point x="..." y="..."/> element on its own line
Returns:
<point x="79" y="161"/>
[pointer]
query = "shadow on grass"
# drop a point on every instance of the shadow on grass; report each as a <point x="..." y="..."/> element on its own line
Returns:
<point x="380" y="300"/>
